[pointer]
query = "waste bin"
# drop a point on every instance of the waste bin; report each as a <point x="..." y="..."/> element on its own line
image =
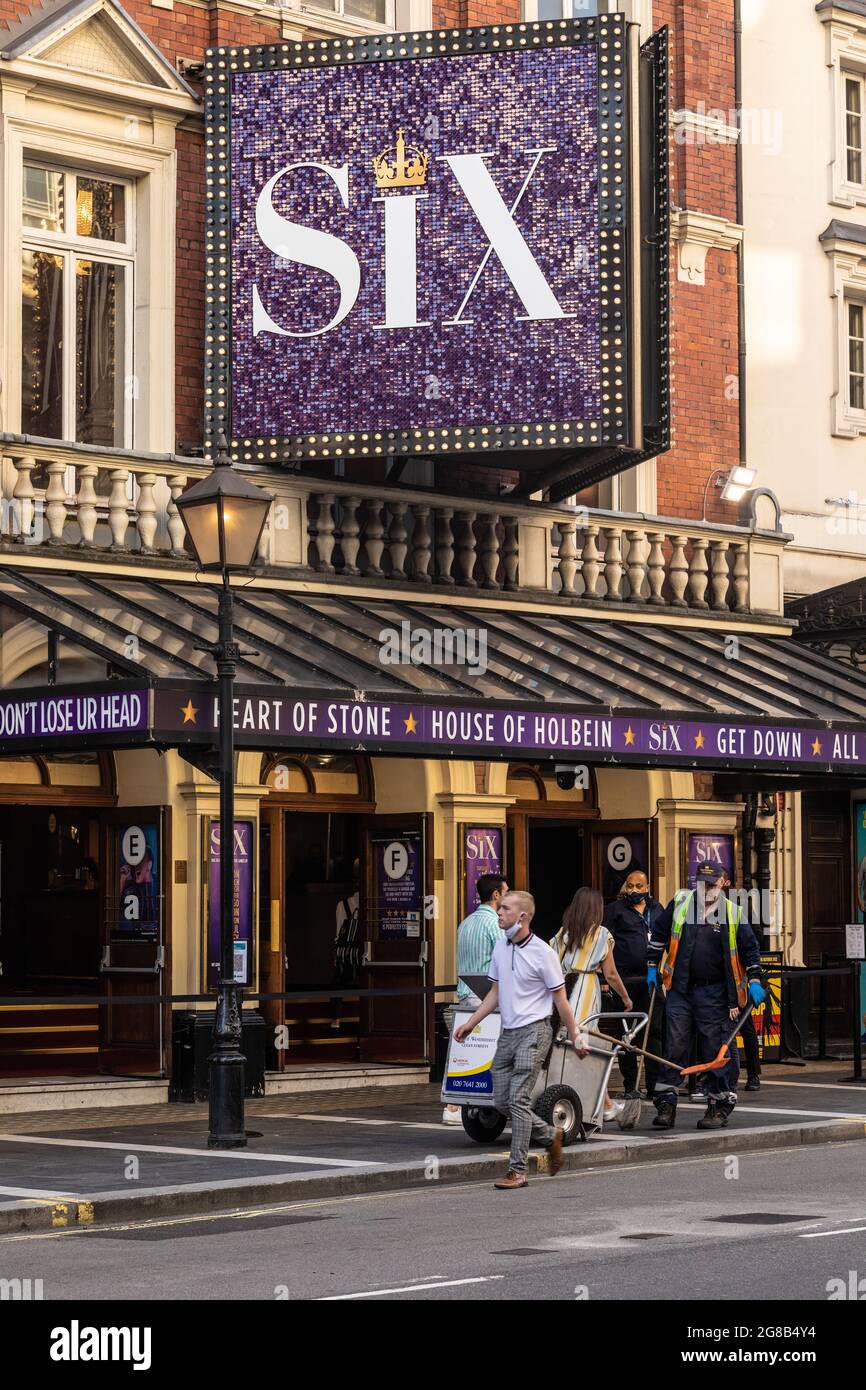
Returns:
<point x="795" y="1015"/>
<point x="192" y="1044"/>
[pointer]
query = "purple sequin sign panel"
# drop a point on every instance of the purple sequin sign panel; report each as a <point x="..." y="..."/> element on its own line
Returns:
<point x="348" y="314"/>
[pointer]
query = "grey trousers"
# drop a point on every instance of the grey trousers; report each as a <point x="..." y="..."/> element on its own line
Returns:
<point x="519" y="1055"/>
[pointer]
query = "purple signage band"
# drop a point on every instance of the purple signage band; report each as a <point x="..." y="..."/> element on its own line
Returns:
<point x="73" y="714"/>
<point x="390" y="726"/>
<point x="422" y="248"/>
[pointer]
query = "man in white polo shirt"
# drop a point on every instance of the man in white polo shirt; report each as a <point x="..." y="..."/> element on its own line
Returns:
<point x="527" y="981"/>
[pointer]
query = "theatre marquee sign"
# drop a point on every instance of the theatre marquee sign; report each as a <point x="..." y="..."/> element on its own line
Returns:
<point x="423" y="243"/>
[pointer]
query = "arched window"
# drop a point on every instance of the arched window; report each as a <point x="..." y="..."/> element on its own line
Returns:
<point x="532" y="783"/>
<point x="78" y="777"/>
<point x="335" y="777"/>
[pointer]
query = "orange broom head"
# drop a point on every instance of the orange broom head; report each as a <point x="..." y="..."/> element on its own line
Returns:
<point x="716" y="1065"/>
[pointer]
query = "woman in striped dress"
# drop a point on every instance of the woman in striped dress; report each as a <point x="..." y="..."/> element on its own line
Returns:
<point x="585" y="945"/>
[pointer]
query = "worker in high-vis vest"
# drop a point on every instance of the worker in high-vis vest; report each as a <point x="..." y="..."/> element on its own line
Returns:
<point x="711" y="971"/>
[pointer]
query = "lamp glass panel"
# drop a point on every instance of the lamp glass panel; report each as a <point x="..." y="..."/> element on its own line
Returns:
<point x="202" y="524"/>
<point x="243" y="519"/>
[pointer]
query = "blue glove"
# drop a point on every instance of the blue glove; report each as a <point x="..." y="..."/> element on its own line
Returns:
<point x="757" y="993"/>
<point x="652" y="977"/>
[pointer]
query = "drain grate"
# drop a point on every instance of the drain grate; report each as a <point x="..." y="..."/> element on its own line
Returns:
<point x="524" y="1250"/>
<point x="760" y="1218"/>
<point x="648" y="1235"/>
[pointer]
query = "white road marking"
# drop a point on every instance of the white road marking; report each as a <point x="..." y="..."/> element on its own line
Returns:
<point x="411" y="1288"/>
<point x="351" y="1120"/>
<point x="814" y="1114"/>
<point x="133" y="1148"/>
<point x="814" y="1085"/>
<point x="42" y="1194"/>
<point x="821" y="1235"/>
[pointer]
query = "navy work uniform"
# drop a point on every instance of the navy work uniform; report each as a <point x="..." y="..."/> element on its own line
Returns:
<point x="713" y="966"/>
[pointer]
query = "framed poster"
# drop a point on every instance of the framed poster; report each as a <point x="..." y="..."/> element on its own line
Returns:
<point x="619" y="853"/>
<point x="716" y="847"/>
<point x="481" y="852"/>
<point x="858" y="815"/>
<point x="137" y="870"/>
<point x="398" y="885"/>
<point x="243" y="901"/>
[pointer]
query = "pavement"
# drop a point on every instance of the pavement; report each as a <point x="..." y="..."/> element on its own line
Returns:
<point x="776" y="1225"/>
<point x="65" y="1169"/>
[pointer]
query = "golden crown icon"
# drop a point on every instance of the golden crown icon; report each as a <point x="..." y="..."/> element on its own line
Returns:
<point x="394" y="170"/>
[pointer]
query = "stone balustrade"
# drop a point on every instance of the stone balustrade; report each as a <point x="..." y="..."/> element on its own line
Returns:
<point x="123" y="503"/>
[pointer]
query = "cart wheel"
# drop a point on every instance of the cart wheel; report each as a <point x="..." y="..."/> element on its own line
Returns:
<point x="482" y="1123"/>
<point x="560" y="1106"/>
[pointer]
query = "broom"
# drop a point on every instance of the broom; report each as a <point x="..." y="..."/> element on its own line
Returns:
<point x="640" y="1051"/>
<point x="631" y="1109"/>
<point x="722" y="1057"/>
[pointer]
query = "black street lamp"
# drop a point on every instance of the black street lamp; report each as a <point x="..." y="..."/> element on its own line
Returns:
<point x="224" y="516"/>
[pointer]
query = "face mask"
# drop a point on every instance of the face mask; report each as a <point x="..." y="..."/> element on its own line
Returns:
<point x="633" y="898"/>
<point x="511" y="932"/>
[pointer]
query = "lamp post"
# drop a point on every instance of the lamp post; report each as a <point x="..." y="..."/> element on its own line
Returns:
<point x="224" y="516"/>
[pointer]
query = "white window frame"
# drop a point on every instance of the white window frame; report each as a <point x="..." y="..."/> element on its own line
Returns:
<point x="638" y="11"/>
<point x="72" y="247"/>
<point x="848" y="286"/>
<point x="859" y="79"/>
<point x="854" y="302"/>
<point x="339" y="9"/>
<point x="846" y="57"/>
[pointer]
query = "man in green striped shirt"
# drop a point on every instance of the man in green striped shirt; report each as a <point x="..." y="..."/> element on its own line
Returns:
<point x="476" y="936"/>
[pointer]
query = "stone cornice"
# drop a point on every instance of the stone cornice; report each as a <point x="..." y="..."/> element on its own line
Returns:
<point x="697" y="233"/>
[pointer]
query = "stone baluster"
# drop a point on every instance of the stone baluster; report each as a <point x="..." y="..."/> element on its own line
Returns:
<point x="511" y="553"/>
<point x="422" y="544"/>
<point x="656" y="567"/>
<point x="590" y="566"/>
<point x="146" y="511"/>
<point x="489" y="550"/>
<point x="720" y="575"/>
<point x="698" y="571"/>
<point x="741" y="577"/>
<point x="374" y="537"/>
<point x="350" y="535"/>
<point x="466" y="549"/>
<point x="118" y="508"/>
<point x="86" y="501"/>
<point x="567" y="556"/>
<point x="613" y="566"/>
<point x="176" y="528"/>
<point x="324" y="533"/>
<point x="23" y="495"/>
<point x="638" y="552"/>
<point x="397" y="534"/>
<point x="678" y="571"/>
<point x="55" y="502"/>
<point x="444" y="545"/>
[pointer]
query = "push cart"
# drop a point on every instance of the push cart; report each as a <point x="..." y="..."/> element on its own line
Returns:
<point x="569" y="1091"/>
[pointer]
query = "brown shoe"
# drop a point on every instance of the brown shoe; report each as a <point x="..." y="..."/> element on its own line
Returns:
<point x="511" y="1179"/>
<point x="554" y="1153"/>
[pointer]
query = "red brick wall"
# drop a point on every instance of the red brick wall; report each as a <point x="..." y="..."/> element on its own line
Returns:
<point x="704" y="320"/>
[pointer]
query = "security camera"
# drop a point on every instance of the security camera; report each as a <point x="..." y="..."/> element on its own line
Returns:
<point x="566" y="776"/>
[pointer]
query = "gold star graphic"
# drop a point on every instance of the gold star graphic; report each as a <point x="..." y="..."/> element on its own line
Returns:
<point x="699" y="739"/>
<point x="816" y="748"/>
<point x="411" y="726"/>
<point x="629" y="737"/>
<point x="189" y="712"/>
